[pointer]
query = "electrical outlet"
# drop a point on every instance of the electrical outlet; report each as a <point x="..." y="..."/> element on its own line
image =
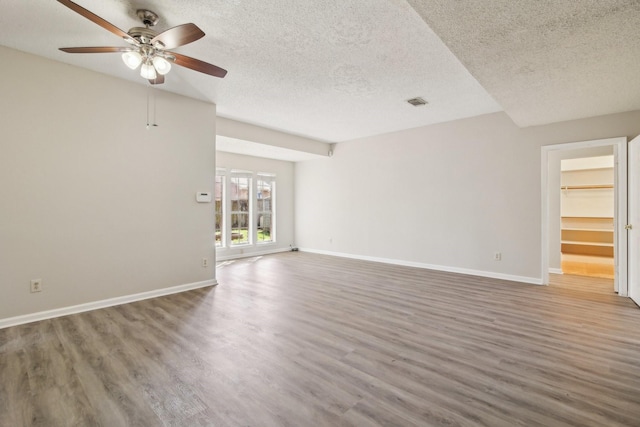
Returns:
<point x="497" y="256"/>
<point x="205" y="262"/>
<point x="36" y="285"/>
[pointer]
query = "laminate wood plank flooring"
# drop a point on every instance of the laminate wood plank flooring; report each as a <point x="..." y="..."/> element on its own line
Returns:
<point x="584" y="284"/>
<point x="300" y="339"/>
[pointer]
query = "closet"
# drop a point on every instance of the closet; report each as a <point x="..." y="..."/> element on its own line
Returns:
<point x="587" y="216"/>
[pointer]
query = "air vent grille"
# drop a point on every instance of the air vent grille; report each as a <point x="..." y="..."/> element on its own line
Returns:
<point x="416" y="102"/>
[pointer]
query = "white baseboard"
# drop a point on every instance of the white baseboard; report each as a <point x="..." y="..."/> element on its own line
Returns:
<point x="555" y="271"/>
<point x="220" y="256"/>
<point x="480" y="273"/>
<point x="65" y="311"/>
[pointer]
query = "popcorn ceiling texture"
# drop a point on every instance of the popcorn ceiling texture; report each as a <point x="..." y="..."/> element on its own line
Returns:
<point x="546" y="61"/>
<point x="337" y="70"/>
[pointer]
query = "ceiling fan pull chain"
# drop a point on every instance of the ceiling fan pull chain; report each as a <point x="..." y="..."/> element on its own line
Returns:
<point x="148" y="89"/>
<point x="152" y="124"/>
<point x="154" y="106"/>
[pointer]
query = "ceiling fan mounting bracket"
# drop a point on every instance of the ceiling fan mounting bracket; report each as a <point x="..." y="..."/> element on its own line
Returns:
<point x="147" y="17"/>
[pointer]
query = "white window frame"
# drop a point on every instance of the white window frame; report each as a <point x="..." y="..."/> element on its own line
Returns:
<point x="271" y="178"/>
<point x="224" y="211"/>
<point x="250" y="223"/>
<point x="226" y="242"/>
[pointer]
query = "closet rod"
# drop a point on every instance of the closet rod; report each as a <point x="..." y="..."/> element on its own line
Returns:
<point x="585" y="187"/>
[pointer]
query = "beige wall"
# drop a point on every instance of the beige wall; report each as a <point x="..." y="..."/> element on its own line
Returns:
<point x="445" y="196"/>
<point x="93" y="203"/>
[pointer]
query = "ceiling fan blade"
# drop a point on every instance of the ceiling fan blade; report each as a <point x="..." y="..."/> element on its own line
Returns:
<point x="97" y="49"/>
<point x="95" y="18"/>
<point x="158" y="80"/>
<point x="178" y="36"/>
<point x="197" y="65"/>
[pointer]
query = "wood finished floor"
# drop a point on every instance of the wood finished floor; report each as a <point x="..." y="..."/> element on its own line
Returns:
<point x="588" y="265"/>
<point x="299" y="339"/>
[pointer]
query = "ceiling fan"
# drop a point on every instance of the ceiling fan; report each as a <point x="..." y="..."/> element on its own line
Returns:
<point x="147" y="47"/>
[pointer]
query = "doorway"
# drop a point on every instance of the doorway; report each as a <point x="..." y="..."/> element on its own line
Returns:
<point x="587" y="214"/>
<point x="551" y="206"/>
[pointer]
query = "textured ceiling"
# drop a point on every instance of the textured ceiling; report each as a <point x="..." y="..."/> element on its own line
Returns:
<point x="338" y="70"/>
<point x="546" y="60"/>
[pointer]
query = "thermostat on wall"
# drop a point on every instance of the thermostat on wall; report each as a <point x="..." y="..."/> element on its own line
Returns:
<point x="203" y="197"/>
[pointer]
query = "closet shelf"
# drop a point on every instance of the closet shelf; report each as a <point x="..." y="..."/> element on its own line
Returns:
<point x="587" y="236"/>
<point x="577" y="242"/>
<point x="596" y="230"/>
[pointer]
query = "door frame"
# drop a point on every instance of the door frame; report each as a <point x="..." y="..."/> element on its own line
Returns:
<point x="620" y="209"/>
<point x="633" y="284"/>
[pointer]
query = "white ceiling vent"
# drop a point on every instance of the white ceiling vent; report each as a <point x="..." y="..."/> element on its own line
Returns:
<point x="416" y="102"/>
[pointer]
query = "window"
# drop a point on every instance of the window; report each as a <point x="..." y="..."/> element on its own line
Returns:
<point x="265" y="197"/>
<point x="220" y="208"/>
<point x="245" y="208"/>
<point x="240" y="195"/>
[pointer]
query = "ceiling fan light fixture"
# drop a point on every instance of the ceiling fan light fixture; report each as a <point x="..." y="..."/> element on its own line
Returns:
<point x="161" y="65"/>
<point x="147" y="47"/>
<point x="147" y="71"/>
<point x="132" y="59"/>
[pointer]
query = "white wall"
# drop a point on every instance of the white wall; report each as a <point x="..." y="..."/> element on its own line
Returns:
<point x="587" y="163"/>
<point x="93" y="203"/>
<point x="284" y="202"/>
<point x="595" y="202"/>
<point x="257" y="134"/>
<point x="445" y="196"/>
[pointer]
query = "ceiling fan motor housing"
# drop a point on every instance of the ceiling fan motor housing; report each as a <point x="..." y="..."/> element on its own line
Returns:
<point x="147" y="17"/>
<point x="143" y="35"/>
